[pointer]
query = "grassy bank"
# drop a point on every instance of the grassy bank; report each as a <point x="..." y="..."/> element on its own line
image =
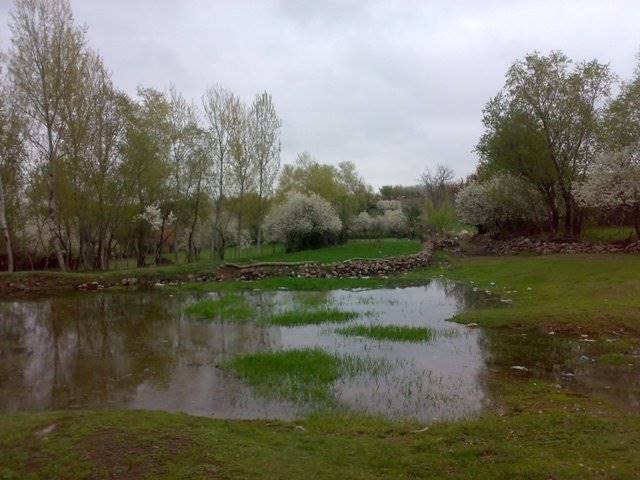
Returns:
<point x="541" y="433"/>
<point x="593" y="292"/>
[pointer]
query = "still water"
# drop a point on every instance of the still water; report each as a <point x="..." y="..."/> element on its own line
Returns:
<point x="140" y="350"/>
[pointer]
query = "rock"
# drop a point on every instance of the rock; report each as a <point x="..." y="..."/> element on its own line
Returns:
<point x="520" y="368"/>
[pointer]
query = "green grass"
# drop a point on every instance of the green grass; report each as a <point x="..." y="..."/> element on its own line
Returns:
<point x="540" y="433"/>
<point x="298" y="374"/>
<point x="378" y="248"/>
<point x="392" y="333"/>
<point x="225" y="307"/>
<point x="607" y="234"/>
<point x="593" y="292"/>
<point x="310" y="317"/>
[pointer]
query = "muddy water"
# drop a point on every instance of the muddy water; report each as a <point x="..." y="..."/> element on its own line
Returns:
<point x="139" y="350"/>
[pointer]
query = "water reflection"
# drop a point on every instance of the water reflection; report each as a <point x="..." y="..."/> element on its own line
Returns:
<point x="138" y="350"/>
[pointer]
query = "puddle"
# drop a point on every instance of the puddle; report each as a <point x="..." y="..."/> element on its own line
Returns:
<point x="139" y="350"/>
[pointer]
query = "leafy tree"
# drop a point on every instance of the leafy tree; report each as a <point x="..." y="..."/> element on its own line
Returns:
<point x="218" y="106"/>
<point x="145" y="166"/>
<point x="514" y="143"/>
<point x="12" y="166"/>
<point x="565" y="102"/>
<point x="264" y="132"/>
<point x="47" y="51"/>
<point x="622" y="120"/>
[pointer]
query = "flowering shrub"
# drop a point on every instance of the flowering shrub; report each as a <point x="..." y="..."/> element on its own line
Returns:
<point x="303" y="221"/>
<point x="497" y="203"/>
<point x="384" y="205"/>
<point x="614" y="182"/>
<point x="392" y="223"/>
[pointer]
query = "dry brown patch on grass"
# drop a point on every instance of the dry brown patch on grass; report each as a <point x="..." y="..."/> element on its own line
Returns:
<point x="116" y="454"/>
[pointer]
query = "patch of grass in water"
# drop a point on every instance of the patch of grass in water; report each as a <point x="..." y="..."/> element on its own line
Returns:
<point x="310" y="317"/>
<point x="299" y="374"/>
<point x="226" y="307"/>
<point x="394" y="333"/>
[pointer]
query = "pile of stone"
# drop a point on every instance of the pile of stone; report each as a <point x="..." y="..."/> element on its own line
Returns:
<point x="350" y="268"/>
<point x="524" y="244"/>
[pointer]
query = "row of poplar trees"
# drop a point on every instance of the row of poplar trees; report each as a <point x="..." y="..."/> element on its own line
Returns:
<point x="87" y="170"/>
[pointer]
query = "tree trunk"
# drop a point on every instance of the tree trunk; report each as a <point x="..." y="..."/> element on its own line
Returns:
<point x="194" y="223"/>
<point x="5" y="230"/>
<point x="141" y="260"/>
<point x="52" y="215"/>
<point x="636" y="219"/>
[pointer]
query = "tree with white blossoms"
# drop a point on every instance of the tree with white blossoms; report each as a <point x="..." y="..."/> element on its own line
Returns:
<point x="158" y="221"/>
<point x="303" y="221"/>
<point x="498" y="202"/>
<point x="614" y="182"/>
<point x="362" y="224"/>
<point x="384" y="205"/>
<point x="392" y="223"/>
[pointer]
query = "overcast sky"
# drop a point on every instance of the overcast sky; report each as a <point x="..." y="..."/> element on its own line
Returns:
<point x="396" y="87"/>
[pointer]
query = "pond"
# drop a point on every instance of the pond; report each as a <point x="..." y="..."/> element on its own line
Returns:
<point x="140" y="350"/>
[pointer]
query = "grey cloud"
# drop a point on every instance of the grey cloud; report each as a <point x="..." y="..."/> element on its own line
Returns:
<point x="395" y="87"/>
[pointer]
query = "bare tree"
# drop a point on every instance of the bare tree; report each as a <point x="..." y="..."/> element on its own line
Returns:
<point x="437" y="184"/>
<point x="46" y="50"/>
<point x="264" y="134"/>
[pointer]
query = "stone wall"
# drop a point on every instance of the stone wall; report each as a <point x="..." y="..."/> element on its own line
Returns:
<point x="486" y="246"/>
<point x="349" y="268"/>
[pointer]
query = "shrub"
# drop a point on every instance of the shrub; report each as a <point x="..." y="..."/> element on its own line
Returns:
<point x="439" y="218"/>
<point x="303" y="222"/>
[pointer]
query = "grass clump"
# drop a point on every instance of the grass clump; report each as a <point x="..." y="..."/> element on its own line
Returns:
<point x="298" y="374"/>
<point x="225" y="307"/>
<point x="310" y="317"/>
<point x="394" y="333"/>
